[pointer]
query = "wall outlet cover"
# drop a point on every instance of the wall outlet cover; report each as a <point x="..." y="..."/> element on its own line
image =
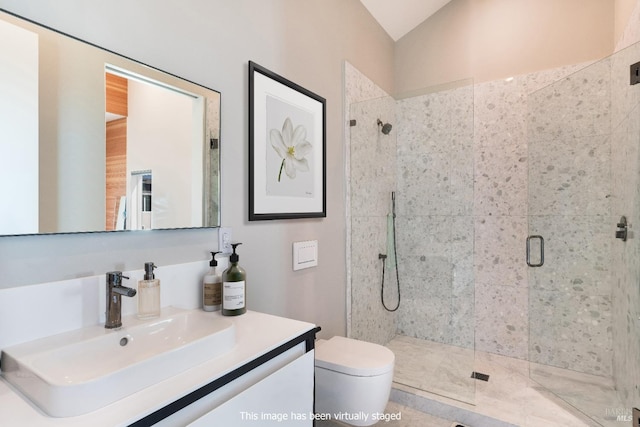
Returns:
<point x="224" y="240"/>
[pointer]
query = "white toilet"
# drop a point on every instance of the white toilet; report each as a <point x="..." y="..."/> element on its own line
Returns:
<point x="353" y="379"/>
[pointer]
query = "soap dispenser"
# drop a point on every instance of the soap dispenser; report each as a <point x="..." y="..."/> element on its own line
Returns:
<point x="148" y="294"/>
<point x="212" y="286"/>
<point x="233" y="287"/>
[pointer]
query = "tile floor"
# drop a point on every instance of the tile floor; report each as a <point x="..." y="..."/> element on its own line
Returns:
<point x="438" y="368"/>
<point x="510" y="397"/>
<point x="409" y="417"/>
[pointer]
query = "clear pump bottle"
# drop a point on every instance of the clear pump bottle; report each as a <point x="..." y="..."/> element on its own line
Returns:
<point x="149" y="294"/>
<point x="212" y="286"/>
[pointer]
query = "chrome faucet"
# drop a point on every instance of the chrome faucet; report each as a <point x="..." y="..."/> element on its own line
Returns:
<point x="115" y="291"/>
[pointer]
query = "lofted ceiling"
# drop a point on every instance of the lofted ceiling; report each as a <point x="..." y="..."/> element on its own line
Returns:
<point x="398" y="17"/>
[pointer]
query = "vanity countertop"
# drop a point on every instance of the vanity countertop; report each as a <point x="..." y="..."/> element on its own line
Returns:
<point x="256" y="334"/>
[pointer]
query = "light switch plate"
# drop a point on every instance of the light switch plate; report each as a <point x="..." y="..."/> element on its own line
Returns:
<point x="305" y="254"/>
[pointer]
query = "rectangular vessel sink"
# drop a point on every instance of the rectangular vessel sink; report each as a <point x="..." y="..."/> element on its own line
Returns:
<point x="80" y="371"/>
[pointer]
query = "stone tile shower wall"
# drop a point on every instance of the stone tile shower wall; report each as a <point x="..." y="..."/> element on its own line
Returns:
<point x="435" y="222"/>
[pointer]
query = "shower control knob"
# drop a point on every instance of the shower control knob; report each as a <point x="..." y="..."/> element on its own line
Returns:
<point x="622" y="232"/>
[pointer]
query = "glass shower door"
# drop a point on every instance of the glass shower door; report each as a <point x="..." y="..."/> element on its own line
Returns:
<point x="576" y="163"/>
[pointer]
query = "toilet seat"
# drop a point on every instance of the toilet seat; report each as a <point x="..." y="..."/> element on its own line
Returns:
<point x="353" y="357"/>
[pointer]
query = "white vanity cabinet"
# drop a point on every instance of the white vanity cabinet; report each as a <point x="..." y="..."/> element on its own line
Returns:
<point x="275" y="387"/>
<point x="278" y="392"/>
<point x="283" y="398"/>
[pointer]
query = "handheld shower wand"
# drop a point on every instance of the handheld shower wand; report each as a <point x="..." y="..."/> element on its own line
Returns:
<point x="395" y="255"/>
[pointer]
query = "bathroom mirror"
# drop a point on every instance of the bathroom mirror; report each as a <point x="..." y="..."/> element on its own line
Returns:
<point x="93" y="141"/>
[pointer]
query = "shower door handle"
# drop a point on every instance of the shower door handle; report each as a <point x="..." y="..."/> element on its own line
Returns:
<point x="529" y="250"/>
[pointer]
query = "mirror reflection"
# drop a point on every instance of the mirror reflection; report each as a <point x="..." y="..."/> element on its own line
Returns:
<point x="92" y="141"/>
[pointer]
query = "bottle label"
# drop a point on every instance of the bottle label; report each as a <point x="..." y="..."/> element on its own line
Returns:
<point x="233" y="295"/>
<point x="212" y="293"/>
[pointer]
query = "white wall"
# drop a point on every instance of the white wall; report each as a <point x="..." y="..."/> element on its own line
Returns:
<point x="210" y="42"/>
<point x="492" y="39"/>
<point x="18" y="129"/>
<point x="622" y="12"/>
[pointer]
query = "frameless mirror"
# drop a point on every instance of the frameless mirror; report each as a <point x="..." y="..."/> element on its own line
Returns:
<point x="93" y="141"/>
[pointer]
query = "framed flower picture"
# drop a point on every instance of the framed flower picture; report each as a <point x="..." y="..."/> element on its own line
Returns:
<point x="287" y="148"/>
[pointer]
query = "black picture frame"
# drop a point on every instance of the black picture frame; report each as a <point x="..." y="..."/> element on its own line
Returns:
<point x="287" y="148"/>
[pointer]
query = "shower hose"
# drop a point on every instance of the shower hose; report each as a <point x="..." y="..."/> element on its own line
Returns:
<point x="395" y="257"/>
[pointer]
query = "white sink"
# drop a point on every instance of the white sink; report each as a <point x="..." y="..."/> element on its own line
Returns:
<point x="80" y="371"/>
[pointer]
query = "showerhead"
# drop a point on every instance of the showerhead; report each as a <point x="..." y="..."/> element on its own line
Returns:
<point x="384" y="127"/>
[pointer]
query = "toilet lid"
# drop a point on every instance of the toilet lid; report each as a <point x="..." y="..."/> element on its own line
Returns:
<point x="354" y="357"/>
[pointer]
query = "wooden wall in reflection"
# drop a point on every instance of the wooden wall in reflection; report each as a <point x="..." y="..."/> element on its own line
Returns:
<point x="116" y="151"/>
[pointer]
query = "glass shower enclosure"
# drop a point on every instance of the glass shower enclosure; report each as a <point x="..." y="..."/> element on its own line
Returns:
<point x="465" y="232"/>
<point x="584" y="137"/>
